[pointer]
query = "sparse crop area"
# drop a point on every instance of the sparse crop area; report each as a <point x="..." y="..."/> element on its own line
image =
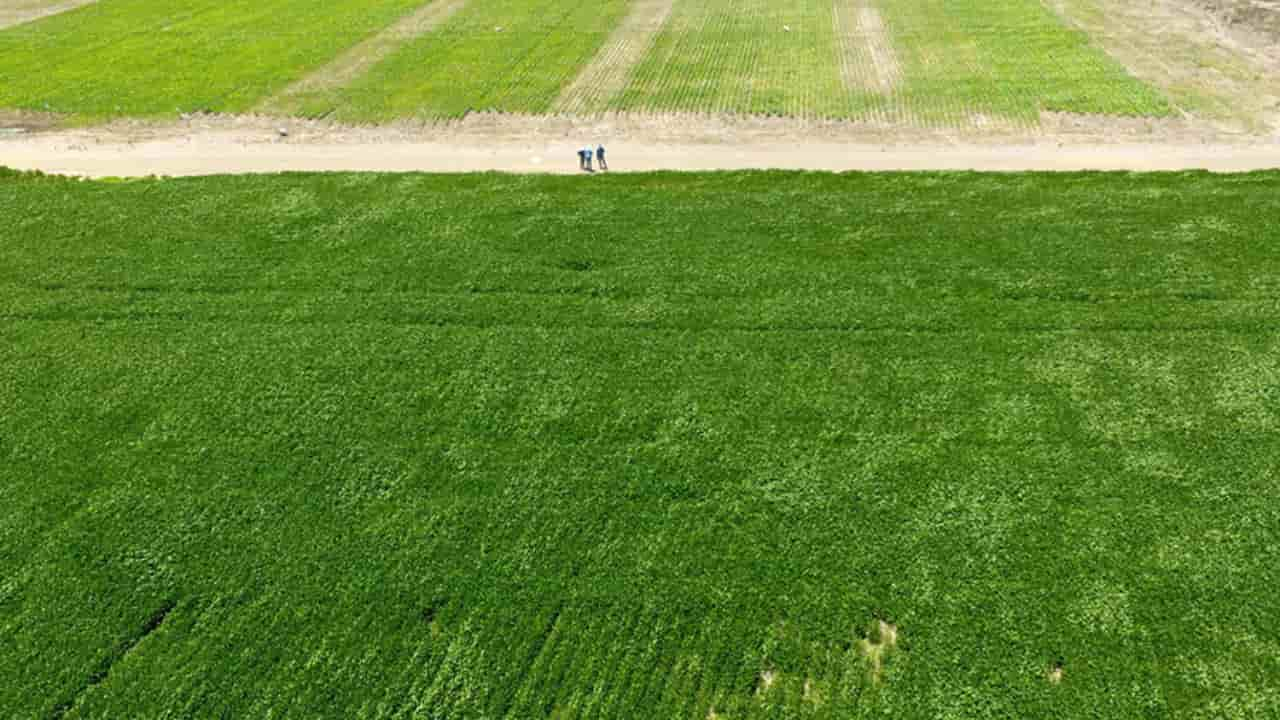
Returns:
<point x="916" y="63"/>
<point x="754" y="445"/>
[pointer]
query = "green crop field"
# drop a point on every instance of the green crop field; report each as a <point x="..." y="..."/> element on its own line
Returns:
<point x="149" y="57"/>
<point x="940" y="63"/>
<point x="496" y="55"/>
<point x="646" y="446"/>
<point x="915" y="62"/>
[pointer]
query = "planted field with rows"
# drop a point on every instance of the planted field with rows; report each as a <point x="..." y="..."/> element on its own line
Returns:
<point x="155" y="57"/>
<point x="754" y="445"/>
<point x="494" y="55"/>
<point x="924" y="61"/>
<point x="913" y="62"/>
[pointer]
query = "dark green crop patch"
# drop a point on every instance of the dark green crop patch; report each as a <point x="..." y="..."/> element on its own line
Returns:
<point x="748" y="445"/>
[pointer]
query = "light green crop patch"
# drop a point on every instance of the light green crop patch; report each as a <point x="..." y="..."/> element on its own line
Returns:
<point x="493" y="55"/>
<point x="955" y="63"/>
<point x="1009" y="58"/>
<point x="730" y="56"/>
<point x="156" y="57"/>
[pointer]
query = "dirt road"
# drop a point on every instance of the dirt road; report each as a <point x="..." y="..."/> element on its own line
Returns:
<point x="216" y="153"/>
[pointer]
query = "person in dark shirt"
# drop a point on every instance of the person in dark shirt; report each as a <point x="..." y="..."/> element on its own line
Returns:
<point x="600" y="158"/>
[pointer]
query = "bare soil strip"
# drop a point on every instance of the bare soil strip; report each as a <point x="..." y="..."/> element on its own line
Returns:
<point x="608" y="72"/>
<point x="872" y="28"/>
<point x="867" y="57"/>
<point x="359" y="59"/>
<point x="16" y="12"/>
<point x="235" y="152"/>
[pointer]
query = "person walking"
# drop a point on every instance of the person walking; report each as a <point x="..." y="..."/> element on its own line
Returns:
<point x="600" y="158"/>
<point x="582" y="159"/>
<point x="586" y="153"/>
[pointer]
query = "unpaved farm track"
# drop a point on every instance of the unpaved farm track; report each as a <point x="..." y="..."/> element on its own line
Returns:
<point x="254" y="151"/>
<point x="16" y="12"/>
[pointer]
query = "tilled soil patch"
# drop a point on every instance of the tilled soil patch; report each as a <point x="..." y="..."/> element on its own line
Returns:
<point x="1258" y="15"/>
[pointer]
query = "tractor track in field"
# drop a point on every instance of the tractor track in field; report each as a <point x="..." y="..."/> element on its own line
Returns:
<point x="124" y="649"/>
<point x="865" y="44"/>
<point x="608" y="73"/>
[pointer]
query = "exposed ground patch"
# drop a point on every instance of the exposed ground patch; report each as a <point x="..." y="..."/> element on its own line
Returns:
<point x="880" y="641"/>
<point x="1259" y="15"/>
<point x="609" y="71"/>
<point x="357" y="61"/>
<point x="867" y="58"/>
<point x="765" y="681"/>
<point x="16" y="12"/>
<point x="20" y="122"/>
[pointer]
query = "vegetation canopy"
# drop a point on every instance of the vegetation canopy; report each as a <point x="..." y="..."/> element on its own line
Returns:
<point x="925" y="63"/>
<point x="752" y="445"/>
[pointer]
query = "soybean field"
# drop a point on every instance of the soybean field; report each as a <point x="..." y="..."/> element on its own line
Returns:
<point x="636" y="446"/>
<point x="905" y="62"/>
